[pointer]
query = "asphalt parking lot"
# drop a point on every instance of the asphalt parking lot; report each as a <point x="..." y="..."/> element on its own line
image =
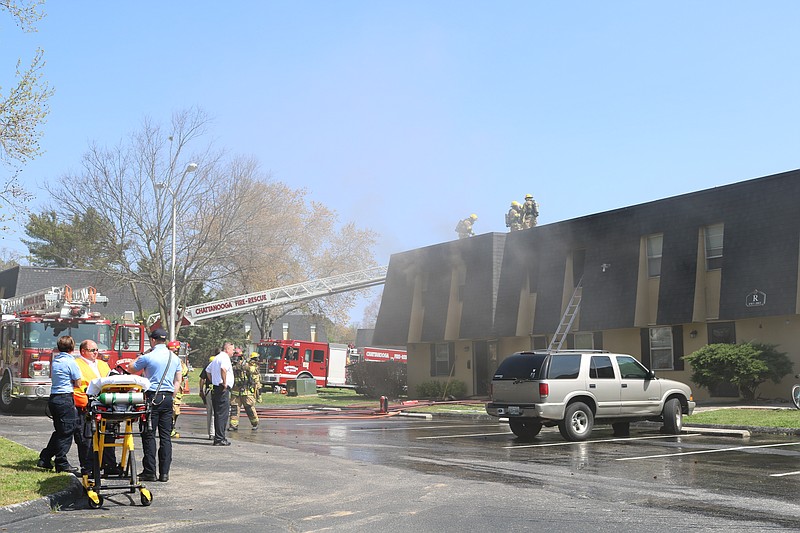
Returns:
<point x="399" y="473"/>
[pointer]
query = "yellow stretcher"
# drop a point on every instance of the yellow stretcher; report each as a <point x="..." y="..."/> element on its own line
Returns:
<point x="115" y="404"/>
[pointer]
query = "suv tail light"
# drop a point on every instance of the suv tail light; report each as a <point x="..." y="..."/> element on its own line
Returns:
<point x="544" y="389"/>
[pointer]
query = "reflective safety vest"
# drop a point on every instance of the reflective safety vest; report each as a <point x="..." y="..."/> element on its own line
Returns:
<point x="87" y="375"/>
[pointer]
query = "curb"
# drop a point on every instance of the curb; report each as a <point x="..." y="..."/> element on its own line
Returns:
<point x="17" y="512"/>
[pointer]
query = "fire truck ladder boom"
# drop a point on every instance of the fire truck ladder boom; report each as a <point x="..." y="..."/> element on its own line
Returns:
<point x="289" y="294"/>
<point x="51" y="299"/>
<point x="568" y="319"/>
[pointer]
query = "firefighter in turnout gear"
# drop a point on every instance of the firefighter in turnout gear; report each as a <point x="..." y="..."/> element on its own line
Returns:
<point x="253" y="365"/>
<point x="464" y="227"/>
<point x="180" y="388"/>
<point x="530" y="212"/>
<point x="514" y="216"/>
<point x="243" y="393"/>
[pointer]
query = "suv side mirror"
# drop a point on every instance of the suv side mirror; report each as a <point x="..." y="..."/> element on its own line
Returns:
<point x="651" y="374"/>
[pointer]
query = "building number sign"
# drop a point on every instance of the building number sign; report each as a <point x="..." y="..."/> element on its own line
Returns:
<point x="756" y="298"/>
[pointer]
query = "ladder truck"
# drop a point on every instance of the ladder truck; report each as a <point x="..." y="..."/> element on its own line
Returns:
<point x="283" y="360"/>
<point x="29" y="331"/>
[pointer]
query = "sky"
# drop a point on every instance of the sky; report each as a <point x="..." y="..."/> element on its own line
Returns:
<point x="406" y="116"/>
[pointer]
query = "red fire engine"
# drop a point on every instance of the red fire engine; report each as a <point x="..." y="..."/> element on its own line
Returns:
<point x="31" y="325"/>
<point x="283" y="360"/>
<point x="379" y="355"/>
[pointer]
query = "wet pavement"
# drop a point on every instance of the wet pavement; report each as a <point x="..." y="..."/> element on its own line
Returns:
<point x="396" y="473"/>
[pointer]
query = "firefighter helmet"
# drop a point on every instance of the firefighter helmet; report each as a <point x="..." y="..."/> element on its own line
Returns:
<point x="528" y="196"/>
<point x="173" y="345"/>
<point x="254" y="355"/>
<point x="515" y="204"/>
<point x="473" y="216"/>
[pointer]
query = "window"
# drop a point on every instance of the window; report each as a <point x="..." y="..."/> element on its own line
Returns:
<point x="630" y="368"/>
<point x="661" y="348"/>
<point x="442" y="359"/>
<point x="654" y="245"/>
<point x="292" y="354"/>
<point x="584" y="341"/>
<point x="714" y="237"/>
<point x="319" y="356"/>
<point x="564" y="367"/>
<point x="601" y="367"/>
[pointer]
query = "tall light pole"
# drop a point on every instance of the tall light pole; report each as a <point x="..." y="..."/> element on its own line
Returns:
<point x="191" y="167"/>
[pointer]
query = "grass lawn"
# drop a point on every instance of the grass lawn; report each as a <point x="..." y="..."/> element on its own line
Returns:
<point x="20" y="480"/>
<point x="770" y="418"/>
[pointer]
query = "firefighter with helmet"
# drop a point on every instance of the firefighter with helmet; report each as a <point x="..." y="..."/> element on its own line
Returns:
<point x="514" y="216"/>
<point x="464" y="227"/>
<point x="530" y="212"/>
<point x="253" y="364"/>
<point x="180" y="388"/>
<point x="243" y="393"/>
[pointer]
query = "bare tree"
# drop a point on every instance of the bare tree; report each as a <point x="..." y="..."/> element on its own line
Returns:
<point x="291" y="241"/>
<point x="134" y="184"/>
<point x="23" y="109"/>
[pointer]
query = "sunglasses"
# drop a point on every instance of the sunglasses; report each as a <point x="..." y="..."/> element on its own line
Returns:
<point x="91" y="349"/>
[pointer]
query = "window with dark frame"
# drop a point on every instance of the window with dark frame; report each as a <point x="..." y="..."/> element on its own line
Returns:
<point x="661" y="355"/>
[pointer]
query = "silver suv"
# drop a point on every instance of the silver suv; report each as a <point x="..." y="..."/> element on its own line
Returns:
<point x="576" y="389"/>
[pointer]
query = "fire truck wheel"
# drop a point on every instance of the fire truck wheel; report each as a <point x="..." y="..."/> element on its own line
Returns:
<point x="7" y="403"/>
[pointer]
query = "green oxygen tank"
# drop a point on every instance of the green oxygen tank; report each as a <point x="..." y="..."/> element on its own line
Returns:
<point x="121" y="398"/>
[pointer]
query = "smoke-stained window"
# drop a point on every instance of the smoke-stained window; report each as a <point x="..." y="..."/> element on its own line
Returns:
<point x="442" y="358"/>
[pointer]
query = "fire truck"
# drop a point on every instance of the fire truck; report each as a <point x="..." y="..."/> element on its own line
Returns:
<point x="378" y="355"/>
<point x="284" y="360"/>
<point x="29" y="331"/>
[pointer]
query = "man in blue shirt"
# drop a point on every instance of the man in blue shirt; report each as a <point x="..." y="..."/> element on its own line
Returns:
<point x="65" y="375"/>
<point x="163" y="369"/>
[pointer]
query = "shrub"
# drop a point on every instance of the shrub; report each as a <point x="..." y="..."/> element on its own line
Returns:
<point x="439" y="390"/>
<point x="374" y="379"/>
<point x="745" y="365"/>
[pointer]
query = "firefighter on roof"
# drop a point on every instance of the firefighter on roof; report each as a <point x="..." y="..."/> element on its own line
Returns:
<point x="464" y="227"/>
<point x="243" y="393"/>
<point x="514" y="216"/>
<point x="530" y="212"/>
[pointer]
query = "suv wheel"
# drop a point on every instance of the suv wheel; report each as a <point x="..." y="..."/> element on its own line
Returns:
<point x="578" y="422"/>
<point x="525" y="428"/>
<point x="673" y="417"/>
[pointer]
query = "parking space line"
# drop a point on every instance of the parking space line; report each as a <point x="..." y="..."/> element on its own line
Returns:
<point x="462" y="436"/>
<point x="426" y="427"/>
<point x="718" y="450"/>
<point x="797" y="473"/>
<point x="619" y="439"/>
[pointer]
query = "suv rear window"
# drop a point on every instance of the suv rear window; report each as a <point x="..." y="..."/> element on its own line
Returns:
<point x="521" y="366"/>
<point x="564" y="366"/>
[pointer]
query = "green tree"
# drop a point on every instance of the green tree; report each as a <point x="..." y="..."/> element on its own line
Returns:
<point x="85" y="240"/>
<point x="23" y="109"/>
<point x="745" y="365"/>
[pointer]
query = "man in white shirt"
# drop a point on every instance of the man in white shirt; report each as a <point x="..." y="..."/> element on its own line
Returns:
<point x="221" y="372"/>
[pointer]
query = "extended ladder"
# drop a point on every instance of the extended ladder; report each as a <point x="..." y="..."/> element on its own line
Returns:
<point x="569" y="317"/>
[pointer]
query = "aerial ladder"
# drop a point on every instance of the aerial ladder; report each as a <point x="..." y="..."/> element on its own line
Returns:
<point x="568" y="318"/>
<point x="298" y="292"/>
<point x="67" y="302"/>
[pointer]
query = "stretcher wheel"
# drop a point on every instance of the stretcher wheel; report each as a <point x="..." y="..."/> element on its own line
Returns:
<point x="95" y="500"/>
<point x="146" y="497"/>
